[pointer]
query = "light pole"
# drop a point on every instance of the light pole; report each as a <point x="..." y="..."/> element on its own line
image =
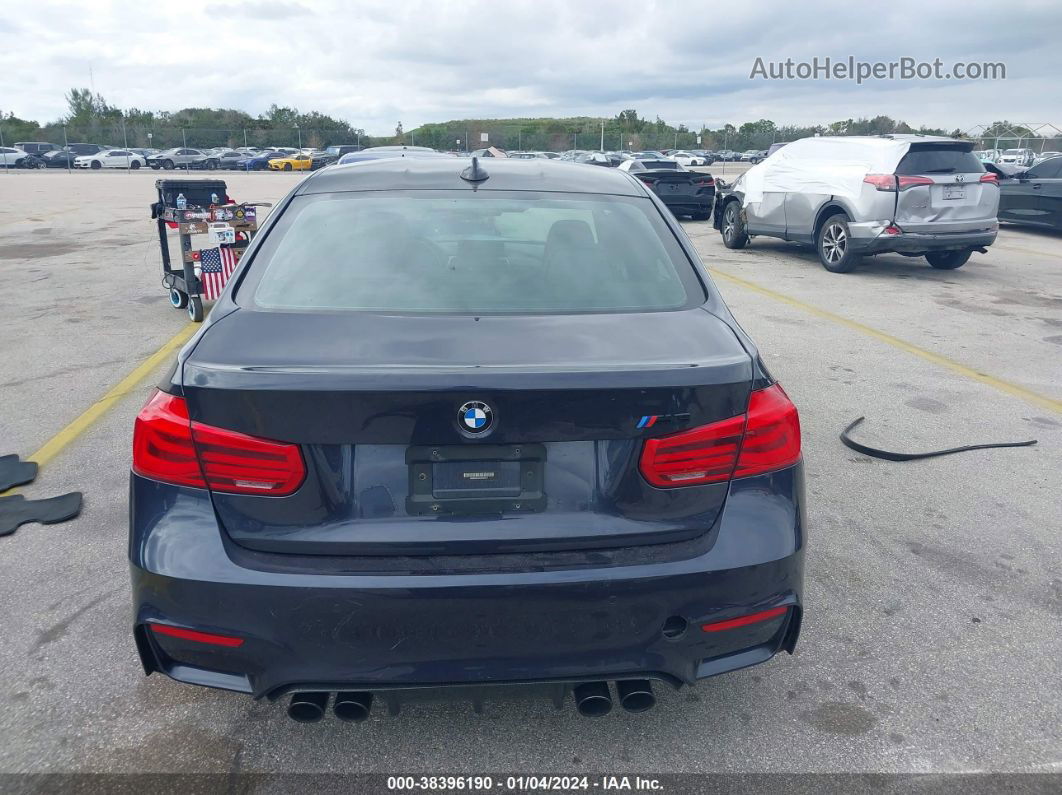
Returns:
<point x="602" y="136"/>
<point x="299" y="131"/>
<point x="458" y="142"/>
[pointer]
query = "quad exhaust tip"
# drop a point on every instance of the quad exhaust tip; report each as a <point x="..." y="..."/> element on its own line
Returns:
<point x="353" y="706"/>
<point x="592" y="700"/>
<point x="636" y="695"/>
<point x="307" y="707"/>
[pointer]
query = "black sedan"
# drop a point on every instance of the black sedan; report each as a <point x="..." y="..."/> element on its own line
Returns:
<point x="466" y="423"/>
<point x="684" y="192"/>
<point x="1034" y="196"/>
<point x="59" y="158"/>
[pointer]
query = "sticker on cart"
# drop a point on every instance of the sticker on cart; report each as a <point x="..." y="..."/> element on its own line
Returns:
<point x="221" y="233"/>
<point x="250" y="214"/>
<point x="221" y="214"/>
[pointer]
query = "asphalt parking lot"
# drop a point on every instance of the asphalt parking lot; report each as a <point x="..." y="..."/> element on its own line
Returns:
<point x="931" y="640"/>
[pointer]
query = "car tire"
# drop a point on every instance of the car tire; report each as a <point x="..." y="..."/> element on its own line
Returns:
<point x="834" y="245"/>
<point x="287" y="166"/>
<point x="733" y="228"/>
<point x="167" y="165"/>
<point x="948" y="260"/>
<point x="97" y="164"/>
<point x="134" y="165"/>
<point x="211" y="165"/>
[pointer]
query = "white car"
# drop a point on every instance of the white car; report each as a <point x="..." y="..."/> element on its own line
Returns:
<point x="111" y="158"/>
<point x="11" y="157"/>
<point x="1016" y="157"/>
<point x="687" y="159"/>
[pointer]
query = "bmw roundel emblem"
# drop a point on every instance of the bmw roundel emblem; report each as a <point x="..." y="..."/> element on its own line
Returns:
<point x="475" y="416"/>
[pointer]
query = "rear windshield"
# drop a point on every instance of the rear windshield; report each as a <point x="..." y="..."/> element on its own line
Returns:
<point x="472" y="253"/>
<point x="938" y="159"/>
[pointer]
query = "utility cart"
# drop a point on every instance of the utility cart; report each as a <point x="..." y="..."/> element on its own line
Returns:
<point x="201" y="207"/>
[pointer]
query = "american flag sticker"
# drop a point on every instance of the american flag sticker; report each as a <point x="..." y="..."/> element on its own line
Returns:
<point x="217" y="265"/>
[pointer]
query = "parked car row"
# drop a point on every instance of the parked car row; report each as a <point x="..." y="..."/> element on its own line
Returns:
<point x="1022" y="157"/>
<point x="41" y="154"/>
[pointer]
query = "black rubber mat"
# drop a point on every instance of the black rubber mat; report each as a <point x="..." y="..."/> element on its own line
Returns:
<point x="14" y="472"/>
<point x="17" y="510"/>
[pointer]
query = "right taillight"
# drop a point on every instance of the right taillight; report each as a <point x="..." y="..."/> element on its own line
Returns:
<point x="772" y="433"/>
<point x="765" y="439"/>
<point x="990" y="176"/>
<point x="168" y="447"/>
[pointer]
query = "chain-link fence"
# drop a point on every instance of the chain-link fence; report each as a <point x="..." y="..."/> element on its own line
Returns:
<point x="1038" y="138"/>
<point x="588" y="134"/>
<point x="551" y="138"/>
<point x="444" y="137"/>
<point x="129" y="136"/>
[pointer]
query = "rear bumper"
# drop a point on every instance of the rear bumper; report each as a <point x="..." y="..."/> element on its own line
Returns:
<point x="870" y="238"/>
<point x="381" y="631"/>
<point x="685" y="205"/>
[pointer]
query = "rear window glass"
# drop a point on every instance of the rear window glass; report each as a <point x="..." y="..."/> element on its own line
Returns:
<point x="458" y="252"/>
<point x="938" y="159"/>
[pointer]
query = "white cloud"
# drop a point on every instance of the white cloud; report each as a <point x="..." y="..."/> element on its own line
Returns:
<point x="376" y="62"/>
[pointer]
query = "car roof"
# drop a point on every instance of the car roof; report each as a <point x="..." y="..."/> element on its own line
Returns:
<point x="444" y="174"/>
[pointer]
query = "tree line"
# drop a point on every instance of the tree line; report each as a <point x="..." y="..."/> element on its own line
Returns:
<point x="91" y="118"/>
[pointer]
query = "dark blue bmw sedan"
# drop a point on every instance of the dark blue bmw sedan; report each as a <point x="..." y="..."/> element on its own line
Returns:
<point x="454" y="426"/>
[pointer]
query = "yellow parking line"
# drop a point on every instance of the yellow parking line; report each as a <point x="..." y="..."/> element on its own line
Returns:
<point x="976" y="375"/>
<point x="58" y="443"/>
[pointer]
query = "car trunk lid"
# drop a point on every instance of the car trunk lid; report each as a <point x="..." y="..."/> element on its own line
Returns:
<point x="940" y="190"/>
<point x="373" y="401"/>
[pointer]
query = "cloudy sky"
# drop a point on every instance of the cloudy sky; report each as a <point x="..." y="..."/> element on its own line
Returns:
<point x="375" y="63"/>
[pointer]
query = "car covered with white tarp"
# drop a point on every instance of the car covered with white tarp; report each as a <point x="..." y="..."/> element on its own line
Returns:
<point x="851" y="196"/>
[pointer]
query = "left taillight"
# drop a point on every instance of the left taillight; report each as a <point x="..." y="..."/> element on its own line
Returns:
<point x="170" y="448"/>
<point x="765" y="439"/>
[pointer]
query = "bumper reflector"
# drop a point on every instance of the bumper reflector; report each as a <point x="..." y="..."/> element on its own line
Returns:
<point x="198" y="637"/>
<point x="753" y="618"/>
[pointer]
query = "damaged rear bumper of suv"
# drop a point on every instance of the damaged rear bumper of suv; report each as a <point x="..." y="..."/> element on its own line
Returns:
<point x="208" y="612"/>
<point x="877" y="238"/>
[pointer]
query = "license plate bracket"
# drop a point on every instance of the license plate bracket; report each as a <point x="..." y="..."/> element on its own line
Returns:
<point x="476" y="479"/>
<point x="952" y="192"/>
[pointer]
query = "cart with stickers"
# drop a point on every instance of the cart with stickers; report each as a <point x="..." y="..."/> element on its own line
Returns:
<point x="201" y="208"/>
